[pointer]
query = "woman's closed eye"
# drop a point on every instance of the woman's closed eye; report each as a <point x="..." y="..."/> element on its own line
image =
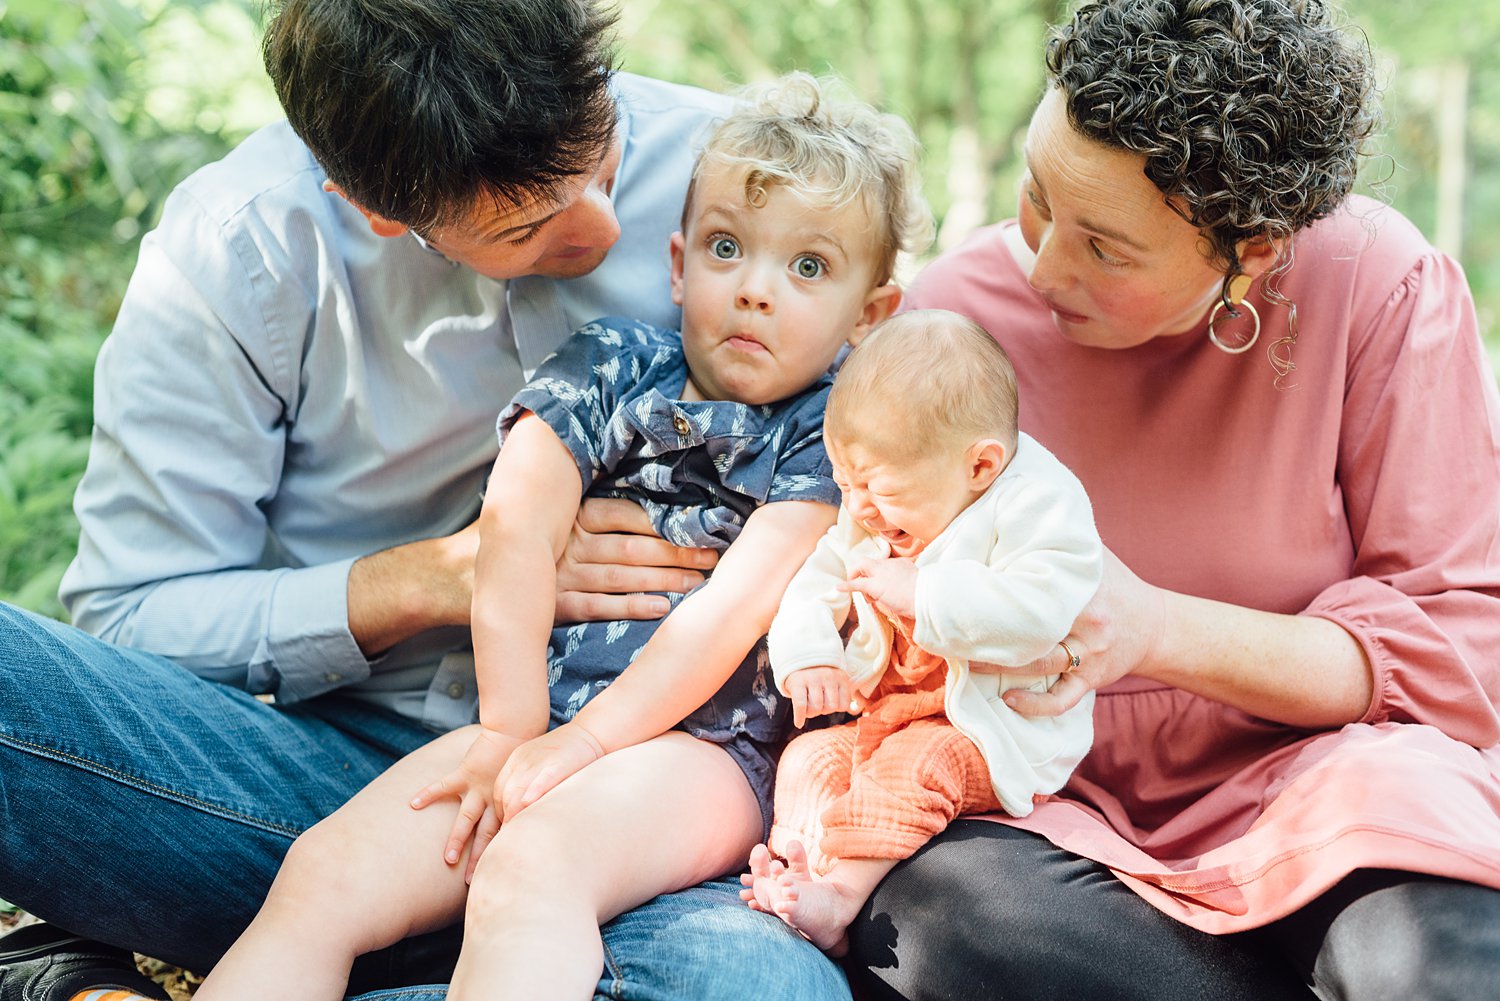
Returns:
<point x="1105" y="256"/>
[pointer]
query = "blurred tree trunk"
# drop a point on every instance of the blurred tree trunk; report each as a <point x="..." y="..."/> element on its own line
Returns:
<point x="1453" y="172"/>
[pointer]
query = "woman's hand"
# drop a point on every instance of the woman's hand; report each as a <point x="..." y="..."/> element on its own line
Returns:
<point x="472" y="784"/>
<point x="1116" y="633"/>
<point x="613" y="556"/>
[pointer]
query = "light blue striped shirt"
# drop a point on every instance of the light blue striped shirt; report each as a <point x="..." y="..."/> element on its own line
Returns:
<point x="284" y="392"/>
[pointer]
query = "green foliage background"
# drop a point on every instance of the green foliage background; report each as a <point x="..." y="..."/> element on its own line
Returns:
<point x="106" y="104"/>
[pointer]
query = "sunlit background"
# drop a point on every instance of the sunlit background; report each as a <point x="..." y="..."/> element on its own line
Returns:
<point x="104" y="105"/>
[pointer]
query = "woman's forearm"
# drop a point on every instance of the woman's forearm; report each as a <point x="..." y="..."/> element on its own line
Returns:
<point x="1295" y="669"/>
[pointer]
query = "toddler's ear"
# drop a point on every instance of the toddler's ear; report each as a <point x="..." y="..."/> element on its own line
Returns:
<point x="879" y="305"/>
<point x="675" y="245"/>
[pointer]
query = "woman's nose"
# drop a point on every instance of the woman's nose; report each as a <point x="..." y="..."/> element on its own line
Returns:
<point x="1048" y="271"/>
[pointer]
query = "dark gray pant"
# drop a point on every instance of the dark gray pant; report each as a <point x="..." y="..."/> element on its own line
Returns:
<point x="985" y="912"/>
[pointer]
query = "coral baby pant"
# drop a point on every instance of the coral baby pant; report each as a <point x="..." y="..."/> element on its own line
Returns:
<point x="882" y="785"/>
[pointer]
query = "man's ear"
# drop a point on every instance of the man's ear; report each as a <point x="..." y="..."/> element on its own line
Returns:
<point x="986" y="460"/>
<point x="379" y="225"/>
<point x="675" y="245"/>
<point x="879" y="305"/>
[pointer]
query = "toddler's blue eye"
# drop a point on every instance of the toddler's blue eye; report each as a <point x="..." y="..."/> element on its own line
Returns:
<point x="808" y="266"/>
<point x="724" y="248"/>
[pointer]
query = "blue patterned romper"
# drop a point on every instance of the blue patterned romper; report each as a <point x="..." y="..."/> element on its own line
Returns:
<point x="698" y="469"/>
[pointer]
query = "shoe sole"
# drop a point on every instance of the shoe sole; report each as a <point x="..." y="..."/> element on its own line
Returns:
<point x="17" y="955"/>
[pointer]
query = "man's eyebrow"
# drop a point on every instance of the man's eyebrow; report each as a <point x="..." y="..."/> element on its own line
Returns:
<point x="1108" y="232"/>
<point x="506" y="234"/>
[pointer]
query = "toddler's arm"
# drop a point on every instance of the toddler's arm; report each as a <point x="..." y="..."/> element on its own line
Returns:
<point x="687" y="660"/>
<point x="529" y="507"/>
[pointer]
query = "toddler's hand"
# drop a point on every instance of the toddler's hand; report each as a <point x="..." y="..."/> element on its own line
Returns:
<point x="818" y="691"/>
<point x="471" y="783"/>
<point x="541" y="764"/>
<point x="891" y="583"/>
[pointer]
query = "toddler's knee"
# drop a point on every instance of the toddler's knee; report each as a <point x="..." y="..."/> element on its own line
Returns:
<point x="530" y="864"/>
<point x="526" y="854"/>
<point x="315" y="853"/>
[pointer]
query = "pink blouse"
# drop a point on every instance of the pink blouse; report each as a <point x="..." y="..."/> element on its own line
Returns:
<point x="1365" y="490"/>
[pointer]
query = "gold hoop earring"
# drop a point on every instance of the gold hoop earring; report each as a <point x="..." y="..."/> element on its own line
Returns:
<point x="1233" y="349"/>
<point x="1236" y="290"/>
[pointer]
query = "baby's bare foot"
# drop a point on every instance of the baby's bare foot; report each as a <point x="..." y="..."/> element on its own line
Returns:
<point x="820" y="908"/>
<point x="760" y="882"/>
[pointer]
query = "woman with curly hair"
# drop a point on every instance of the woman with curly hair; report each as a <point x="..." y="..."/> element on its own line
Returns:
<point x="1276" y="396"/>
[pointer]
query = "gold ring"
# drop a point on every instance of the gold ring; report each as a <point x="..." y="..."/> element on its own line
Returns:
<point x="1073" y="659"/>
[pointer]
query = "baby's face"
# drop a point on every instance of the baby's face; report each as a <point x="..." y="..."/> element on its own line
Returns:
<point x="909" y="502"/>
<point x="770" y="293"/>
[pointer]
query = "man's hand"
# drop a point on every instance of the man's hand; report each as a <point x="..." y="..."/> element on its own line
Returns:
<point x="818" y="691"/>
<point x="472" y="784"/>
<point x="540" y="764"/>
<point x="613" y="555"/>
<point x="891" y="583"/>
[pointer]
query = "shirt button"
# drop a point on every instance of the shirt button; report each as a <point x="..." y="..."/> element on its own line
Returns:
<point x="681" y="424"/>
<point x="456" y="690"/>
<point x="333" y="677"/>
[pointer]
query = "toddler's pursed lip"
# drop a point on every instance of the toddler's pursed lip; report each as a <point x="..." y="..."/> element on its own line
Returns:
<point x="744" y="343"/>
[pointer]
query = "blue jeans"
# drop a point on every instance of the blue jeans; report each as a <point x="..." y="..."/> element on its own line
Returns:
<point x="145" y="807"/>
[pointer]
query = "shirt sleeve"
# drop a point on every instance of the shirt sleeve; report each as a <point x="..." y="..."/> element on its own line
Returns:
<point x="186" y="454"/>
<point x="803" y="472"/>
<point x="577" y="389"/>
<point x="1012" y="606"/>
<point x="805" y="631"/>
<point x="1419" y="466"/>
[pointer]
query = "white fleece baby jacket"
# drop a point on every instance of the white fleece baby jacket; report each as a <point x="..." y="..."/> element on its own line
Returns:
<point x="1002" y="584"/>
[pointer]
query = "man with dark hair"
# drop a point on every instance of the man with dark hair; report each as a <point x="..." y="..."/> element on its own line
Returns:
<point x="294" y="414"/>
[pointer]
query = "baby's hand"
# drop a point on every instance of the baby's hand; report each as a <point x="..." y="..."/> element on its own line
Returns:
<point x="888" y="583"/>
<point x="541" y="763"/>
<point x="891" y="583"/>
<point x="818" y="691"/>
<point x="471" y="783"/>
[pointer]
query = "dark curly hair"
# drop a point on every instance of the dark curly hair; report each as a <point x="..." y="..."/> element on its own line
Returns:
<point x="416" y="107"/>
<point x="1252" y="114"/>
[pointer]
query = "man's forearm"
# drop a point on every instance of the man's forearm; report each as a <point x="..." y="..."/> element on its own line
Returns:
<point x="400" y="592"/>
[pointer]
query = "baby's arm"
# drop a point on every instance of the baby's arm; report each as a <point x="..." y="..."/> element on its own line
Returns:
<point x="529" y="507"/>
<point x="687" y="660"/>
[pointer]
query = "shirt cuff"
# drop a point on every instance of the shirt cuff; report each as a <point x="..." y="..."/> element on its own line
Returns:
<point x="311" y="648"/>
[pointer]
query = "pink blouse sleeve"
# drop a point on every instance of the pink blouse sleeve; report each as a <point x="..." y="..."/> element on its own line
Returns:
<point x="1419" y="467"/>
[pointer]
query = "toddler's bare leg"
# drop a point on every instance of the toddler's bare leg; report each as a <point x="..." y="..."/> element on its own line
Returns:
<point x="645" y="820"/>
<point x="365" y="878"/>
